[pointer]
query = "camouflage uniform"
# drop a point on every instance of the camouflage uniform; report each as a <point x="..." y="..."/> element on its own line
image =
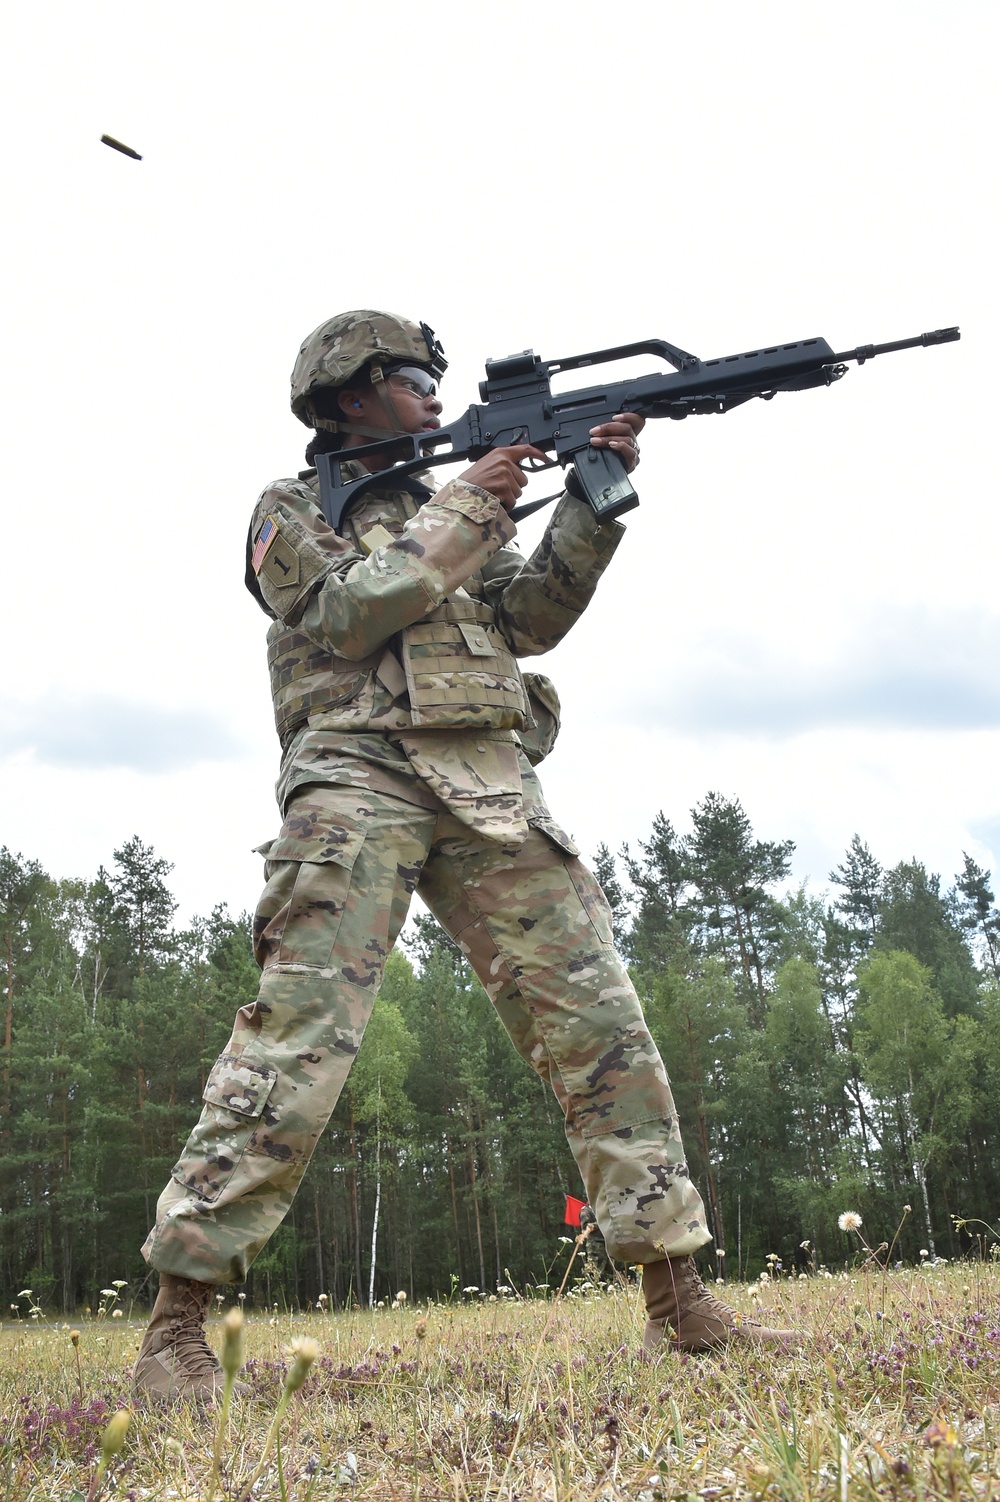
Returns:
<point x="402" y="714"/>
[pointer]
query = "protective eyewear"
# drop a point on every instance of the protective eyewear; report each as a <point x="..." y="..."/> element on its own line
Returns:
<point x="412" y="378"/>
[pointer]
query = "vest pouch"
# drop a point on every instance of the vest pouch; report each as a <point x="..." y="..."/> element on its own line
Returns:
<point x="460" y="672"/>
<point x="306" y="681"/>
<point x="235" y="1096"/>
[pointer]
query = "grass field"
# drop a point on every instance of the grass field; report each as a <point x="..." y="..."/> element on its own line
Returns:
<point x="897" y="1395"/>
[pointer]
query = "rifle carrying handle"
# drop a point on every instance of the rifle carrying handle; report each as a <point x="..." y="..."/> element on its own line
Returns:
<point x="604" y="481"/>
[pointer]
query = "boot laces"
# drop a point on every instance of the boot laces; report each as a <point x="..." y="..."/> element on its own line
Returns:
<point x="714" y="1308"/>
<point x="188" y="1341"/>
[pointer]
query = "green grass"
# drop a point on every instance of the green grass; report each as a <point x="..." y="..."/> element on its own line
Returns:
<point x="897" y="1395"/>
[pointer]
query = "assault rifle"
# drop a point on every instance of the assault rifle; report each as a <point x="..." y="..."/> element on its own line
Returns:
<point x="520" y="407"/>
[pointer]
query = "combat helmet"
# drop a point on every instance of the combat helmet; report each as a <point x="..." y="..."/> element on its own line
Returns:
<point x="341" y="346"/>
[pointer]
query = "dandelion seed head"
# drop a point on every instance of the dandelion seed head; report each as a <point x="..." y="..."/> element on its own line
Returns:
<point x="232" y="1342"/>
<point x="850" y="1221"/>
<point x="114" y="1435"/>
<point x="305" y="1352"/>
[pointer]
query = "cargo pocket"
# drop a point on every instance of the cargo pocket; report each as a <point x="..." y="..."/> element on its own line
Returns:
<point x="588" y="888"/>
<point x="235" y="1096"/>
<point x="322" y="847"/>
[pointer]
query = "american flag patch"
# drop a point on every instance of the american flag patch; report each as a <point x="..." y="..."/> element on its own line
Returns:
<point x="268" y="533"/>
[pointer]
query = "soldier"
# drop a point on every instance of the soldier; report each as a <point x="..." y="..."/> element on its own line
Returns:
<point x="404" y="724"/>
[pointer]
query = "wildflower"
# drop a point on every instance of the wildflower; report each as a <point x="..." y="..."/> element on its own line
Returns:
<point x="114" y="1435"/>
<point x="907" y="1209"/>
<point x="401" y="1296"/>
<point x="380" y="1304"/>
<point x="805" y="1245"/>
<point x="850" y="1221"/>
<point x="471" y="1289"/>
<point x="803" y="1278"/>
<point x="232" y="1342"/>
<point x="763" y="1277"/>
<point x="242" y="1297"/>
<point x="119" y="1283"/>
<point x="924" y="1252"/>
<point x="720" y="1251"/>
<point x="322" y="1300"/>
<point x="109" y="1293"/>
<point x="25" y="1293"/>
<point x="219" y="1298"/>
<point x="772" y="1257"/>
<point x="117" y="1314"/>
<point x="305" y="1352"/>
<point x="420" y="1330"/>
<point x="74" y="1336"/>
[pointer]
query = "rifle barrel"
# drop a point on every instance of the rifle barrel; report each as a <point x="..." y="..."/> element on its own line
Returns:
<point x="869" y="351"/>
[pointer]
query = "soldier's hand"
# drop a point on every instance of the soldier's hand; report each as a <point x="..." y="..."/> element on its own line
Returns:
<point x="501" y="474"/>
<point x="620" y="434"/>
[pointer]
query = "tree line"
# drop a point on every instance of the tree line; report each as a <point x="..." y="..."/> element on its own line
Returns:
<point x="826" y="1054"/>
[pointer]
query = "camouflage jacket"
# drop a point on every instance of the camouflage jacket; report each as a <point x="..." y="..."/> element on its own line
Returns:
<point x="400" y="637"/>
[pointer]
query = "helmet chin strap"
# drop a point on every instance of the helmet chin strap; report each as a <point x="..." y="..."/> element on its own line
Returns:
<point x="363" y="430"/>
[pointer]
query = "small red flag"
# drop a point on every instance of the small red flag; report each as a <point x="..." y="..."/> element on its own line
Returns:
<point x="573" y="1208"/>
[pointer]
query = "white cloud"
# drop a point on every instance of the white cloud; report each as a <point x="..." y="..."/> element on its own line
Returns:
<point x="97" y="732"/>
<point x="901" y="669"/>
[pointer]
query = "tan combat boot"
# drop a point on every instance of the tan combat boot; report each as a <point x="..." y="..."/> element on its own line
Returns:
<point x="175" y="1360"/>
<point x="698" y="1321"/>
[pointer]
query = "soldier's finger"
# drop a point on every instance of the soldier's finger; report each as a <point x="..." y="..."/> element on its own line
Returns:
<point x="522" y="451"/>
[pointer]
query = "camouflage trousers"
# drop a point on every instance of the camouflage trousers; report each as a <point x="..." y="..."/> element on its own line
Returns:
<point x="536" y="929"/>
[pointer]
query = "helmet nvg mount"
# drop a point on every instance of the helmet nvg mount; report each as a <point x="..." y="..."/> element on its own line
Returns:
<point x="343" y="345"/>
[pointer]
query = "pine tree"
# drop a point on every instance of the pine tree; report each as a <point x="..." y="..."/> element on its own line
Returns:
<point x="976" y="911"/>
<point x="861" y="878"/>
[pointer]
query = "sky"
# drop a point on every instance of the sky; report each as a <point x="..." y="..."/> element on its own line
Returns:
<point x="803" y="612"/>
